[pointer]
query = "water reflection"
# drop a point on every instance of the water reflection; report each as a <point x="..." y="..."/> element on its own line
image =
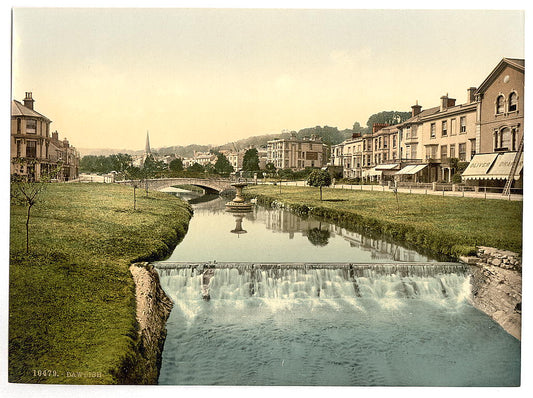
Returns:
<point x="276" y="235"/>
<point x="318" y="236"/>
<point x="238" y="224"/>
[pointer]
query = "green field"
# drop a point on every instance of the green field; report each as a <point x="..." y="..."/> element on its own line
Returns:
<point x="72" y="298"/>
<point x="443" y="225"/>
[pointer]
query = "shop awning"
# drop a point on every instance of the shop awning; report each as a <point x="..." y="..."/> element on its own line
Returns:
<point x="412" y="169"/>
<point x="386" y="166"/>
<point x="499" y="168"/>
<point x="479" y="166"/>
<point x="372" y="172"/>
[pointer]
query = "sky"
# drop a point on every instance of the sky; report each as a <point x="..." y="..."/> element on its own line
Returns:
<point x="106" y="76"/>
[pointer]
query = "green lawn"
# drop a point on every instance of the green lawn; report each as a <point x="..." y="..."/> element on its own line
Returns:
<point x="445" y="225"/>
<point x="72" y="302"/>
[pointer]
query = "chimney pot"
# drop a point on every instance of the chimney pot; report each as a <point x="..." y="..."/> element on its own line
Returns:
<point x="28" y="100"/>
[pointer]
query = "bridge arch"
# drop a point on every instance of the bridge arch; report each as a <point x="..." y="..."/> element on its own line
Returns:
<point x="210" y="185"/>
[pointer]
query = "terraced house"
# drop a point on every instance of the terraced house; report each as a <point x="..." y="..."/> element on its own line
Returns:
<point x="34" y="151"/>
<point x="296" y="154"/>
<point x="486" y="132"/>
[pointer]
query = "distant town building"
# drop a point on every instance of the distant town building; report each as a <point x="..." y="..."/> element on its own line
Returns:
<point x="34" y="152"/>
<point x="296" y="154"/>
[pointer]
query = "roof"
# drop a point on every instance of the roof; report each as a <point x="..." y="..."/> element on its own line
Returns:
<point x="18" y="109"/>
<point x="421" y="115"/>
<point x="516" y="63"/>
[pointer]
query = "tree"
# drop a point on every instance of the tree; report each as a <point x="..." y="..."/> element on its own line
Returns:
<point x="357" y="128"/>
<point x="319" y="178"/>
<point x="152" y="166"/>
<point x="136" y="175"/>
<point x="270" y="168"/>
<point x="196" y="167"/>
<point x="222" y="165"/>
<point x="176" y="165"/>
<point x="119" y="162"/>
<point x="250" y="161"/>
<point x="27" y="189"/>
<point x="387" y="117"/>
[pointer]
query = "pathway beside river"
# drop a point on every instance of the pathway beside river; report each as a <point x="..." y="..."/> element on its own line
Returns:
<point x="481" y="194"/>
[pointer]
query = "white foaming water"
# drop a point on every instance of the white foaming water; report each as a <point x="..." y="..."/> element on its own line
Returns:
<point x="388" y="326"/>
<point x="276" y="287"/>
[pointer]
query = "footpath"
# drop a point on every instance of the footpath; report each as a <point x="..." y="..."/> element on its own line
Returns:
<point x="481" y="194"/>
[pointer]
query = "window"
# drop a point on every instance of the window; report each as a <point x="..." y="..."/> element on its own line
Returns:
<point x="18" y="125"/>
<point x="31" y="126"/>
<point x="505" y="139"/>
<point x="443" y="152"/>
<point x="394" y="141"/>
<point x="31" y="149"/>
<point x="19" y="149"/>
<point x="431" y="152"/>
<point x="462" y="152"/>
<point x="453" y="127"/>
<point x="500" y="104"/>
<point x="394" y="154"/>
<point x="513" y="102"/>
<point x="444" y="128"/>
<point x="472" y="148"/>
<point x="462" y="121"/>
<point x="385" y="142"/>
<point x="413" y="151"/>
<point x="433" y="130"/>
<point x="452" y="150"/>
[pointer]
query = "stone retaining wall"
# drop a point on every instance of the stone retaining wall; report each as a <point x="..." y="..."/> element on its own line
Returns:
<point x="153" y="310"/>
<point x="497" y="286"/>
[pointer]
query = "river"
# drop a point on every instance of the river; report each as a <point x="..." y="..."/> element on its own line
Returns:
<point x="390" y="324"/>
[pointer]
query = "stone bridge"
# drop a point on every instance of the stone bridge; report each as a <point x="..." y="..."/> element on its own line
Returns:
<point x="209" y="185"/>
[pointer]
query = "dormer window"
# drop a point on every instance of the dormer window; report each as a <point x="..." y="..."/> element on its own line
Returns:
<point x="513" y="102"/>
<point x="500" y="104"/>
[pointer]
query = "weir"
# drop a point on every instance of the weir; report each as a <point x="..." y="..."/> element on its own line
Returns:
<point x="235" y="280"/>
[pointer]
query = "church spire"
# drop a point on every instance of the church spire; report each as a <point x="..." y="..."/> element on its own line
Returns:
<point x="147" y="150"/>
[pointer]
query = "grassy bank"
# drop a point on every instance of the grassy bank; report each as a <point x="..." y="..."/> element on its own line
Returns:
<point x="72" y="299"/>
<point x="444" y="225"/>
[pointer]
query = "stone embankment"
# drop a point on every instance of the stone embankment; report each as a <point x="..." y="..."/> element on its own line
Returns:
<point x="497" y="286"/>
<point x="153" y="310"/>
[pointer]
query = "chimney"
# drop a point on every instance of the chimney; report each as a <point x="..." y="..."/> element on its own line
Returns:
<point x="378" y="126"/>
<point x="28" y="101"/>
<point x="471" y="94"/>
<point x="65" y="143"/>
<point x="356" y="135"/>
<point x="446" y="102"/>
<point x="55" y="136"/>
<point x="416" y="109"/>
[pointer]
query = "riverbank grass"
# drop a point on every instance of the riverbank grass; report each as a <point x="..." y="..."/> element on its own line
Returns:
<point x="72" y="298"/>
<point x="444" y="225"/>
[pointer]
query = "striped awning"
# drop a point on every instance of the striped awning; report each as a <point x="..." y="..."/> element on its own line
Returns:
<point x="372" y="172"/>
<point x="498" y="169"/>
<point x="386" y="166"/>
<point x="412" y="169"/>
<point x="479" y="166"/>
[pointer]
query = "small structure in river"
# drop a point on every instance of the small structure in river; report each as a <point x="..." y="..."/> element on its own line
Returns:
<point x="238" y="204"/>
